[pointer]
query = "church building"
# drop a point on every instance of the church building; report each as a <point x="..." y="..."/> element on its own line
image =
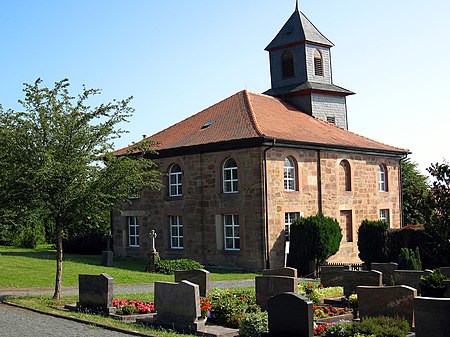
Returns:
<point x="238" y="173"/>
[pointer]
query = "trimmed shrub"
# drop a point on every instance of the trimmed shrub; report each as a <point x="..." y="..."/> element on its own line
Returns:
<point x="409" y="259"/>
<point x="373" y="241"/>
<point x="85" y="240"/>
<point x="253" y="324"/>
<point x="432" y="285"/>
<point x="314" y="238"/>
<point x="382" y="327"/>
<point x="168" y="267"/>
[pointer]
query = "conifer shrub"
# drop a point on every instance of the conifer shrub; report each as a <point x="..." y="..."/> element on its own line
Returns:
<point x="373" y="241"/>
<point x="314" y="238"/>
<point x="409" y="259"/>
<point x="253" y="324"/>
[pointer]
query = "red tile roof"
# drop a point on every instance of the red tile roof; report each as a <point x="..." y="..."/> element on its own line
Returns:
<point x="247" y="115"/>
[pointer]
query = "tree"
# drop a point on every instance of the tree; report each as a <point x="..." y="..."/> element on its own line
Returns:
<point x="314" y="238"/>
<point x="415" y="190"/>
<point x="57" y="157"/>
<point x="438" y="223"/>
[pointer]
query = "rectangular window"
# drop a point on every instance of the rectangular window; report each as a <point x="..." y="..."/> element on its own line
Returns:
<point x="384" y="215"/>
<point x="288" y="219"/>
<point x="231" y="232"/>
<point x="347" y="225"/>
<point x="331" y="120"/>
<point x="133" y="231"/>
<point x="176" y="232"/>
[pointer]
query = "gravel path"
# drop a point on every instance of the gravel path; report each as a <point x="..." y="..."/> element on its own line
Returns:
<point x="118" y="288"/>
<point x="16" y="322"/>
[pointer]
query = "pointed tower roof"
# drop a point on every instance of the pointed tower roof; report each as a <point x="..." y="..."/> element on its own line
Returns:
<point x="298" y="29"/>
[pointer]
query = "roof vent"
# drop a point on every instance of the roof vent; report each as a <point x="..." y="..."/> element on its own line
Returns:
<point x="208" y="123"/>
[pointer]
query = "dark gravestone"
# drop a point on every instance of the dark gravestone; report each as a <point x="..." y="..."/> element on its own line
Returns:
<point x="332" y="276"/>
<point x="352" y="279"/>
<point x="290" y="315"/>
<point x="447" y="285"/>
<point x="197" y="276"/>
<point x="387" y="269"/>
<point x="269" y="286"/>
<point x="395" y="301"/>
<point x="107" y="258"/>
<point x="410" y="278"/>
<point x="285" y="271"/>
<point x="432" y="316"/>
<point x="96" y="293"/>
<point x="178" y="306"/>
<point x="445" y="271"/>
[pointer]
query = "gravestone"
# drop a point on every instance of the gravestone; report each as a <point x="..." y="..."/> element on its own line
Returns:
<point x="387" y="269"/>
<point x="392" y="301"/>
<point x="197" y="276"/>
<point x="410" y="278"/>
<point x="332" y="276"/>
<point x="178" y="306"/>
<point x="432" y="316"/>
<point x="352" y="279"/>
<point x="290" y="315"/>
<point x="95" y="293"/>
<point x="447" y="285"/>
<point x="285" y="271"/>
<point x="445" y="271"/>
<point x="107" y="255"/>
<point x="270" y="285"/>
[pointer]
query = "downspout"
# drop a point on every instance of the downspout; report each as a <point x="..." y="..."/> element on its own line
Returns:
<point x="319" y="183"/>
<point x="400" y="172"/>
<point x="266" y="203"/>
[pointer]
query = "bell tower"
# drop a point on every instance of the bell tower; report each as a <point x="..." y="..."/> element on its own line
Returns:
<point x="301" y="74"/>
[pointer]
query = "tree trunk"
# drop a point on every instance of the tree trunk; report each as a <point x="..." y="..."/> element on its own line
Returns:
<point x="59" y="259"/>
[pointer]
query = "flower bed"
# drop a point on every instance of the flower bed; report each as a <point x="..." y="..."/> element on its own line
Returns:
<point x="130" y="310"/>
<point x="326" y="311"/>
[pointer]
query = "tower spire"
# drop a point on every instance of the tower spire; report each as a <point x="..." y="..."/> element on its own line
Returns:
<point x="296" y="5"/>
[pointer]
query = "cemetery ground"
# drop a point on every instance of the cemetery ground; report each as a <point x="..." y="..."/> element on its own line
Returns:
<point x="35" y="268"/>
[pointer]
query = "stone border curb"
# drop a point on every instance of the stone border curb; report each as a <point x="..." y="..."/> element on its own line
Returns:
<point x="80" y="320"/>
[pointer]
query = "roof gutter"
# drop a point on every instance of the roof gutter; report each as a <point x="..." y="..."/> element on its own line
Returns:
<point x="266" y="254"/>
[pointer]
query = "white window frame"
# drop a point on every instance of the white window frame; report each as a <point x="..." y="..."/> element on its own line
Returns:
<point x="230" y="177"/>
<point x="290" y="182"/>
<point x="231" y="232"/>
<point x="133" y="231"/>
<point x="176" y="232"/>
<point x="382" y="178"/>
<point x="175" y="181"/>
<point x="289" y="217"/>
<point x="385" y="215"/>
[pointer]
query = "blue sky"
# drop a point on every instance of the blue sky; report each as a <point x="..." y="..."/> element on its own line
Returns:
<point x="179" y="57"/>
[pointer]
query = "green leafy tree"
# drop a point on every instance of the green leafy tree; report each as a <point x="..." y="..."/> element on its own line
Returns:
<point x="373" y="241"/>
<point x="56" y="156"/>
<point x="314" y="238"/>
<point x="438" y="222"/>
<point x="415" y="190"/>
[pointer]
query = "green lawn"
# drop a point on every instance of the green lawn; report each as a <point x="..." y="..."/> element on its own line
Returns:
<point x="31" y="268"/>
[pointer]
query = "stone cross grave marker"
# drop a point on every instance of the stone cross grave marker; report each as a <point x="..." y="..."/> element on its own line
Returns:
<point x="153" y="236"/>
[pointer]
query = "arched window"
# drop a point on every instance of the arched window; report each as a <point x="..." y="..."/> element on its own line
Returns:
<point x="288" y="65"/>
<point x="289" y="175"/>
<point x="175" y="181"/>
<point x="345" y="178"/>
<point x="230" y="178"/>
<point x="382" y="178"/>
<point x="318" y="63"/>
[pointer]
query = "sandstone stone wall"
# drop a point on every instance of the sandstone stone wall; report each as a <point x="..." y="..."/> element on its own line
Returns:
<point x="203" y="204"/>
<point x="363" y="201"/>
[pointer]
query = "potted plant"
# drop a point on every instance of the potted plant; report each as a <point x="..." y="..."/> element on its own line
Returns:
<point x="353" y="303"/>
<point x="432" y="285"/>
